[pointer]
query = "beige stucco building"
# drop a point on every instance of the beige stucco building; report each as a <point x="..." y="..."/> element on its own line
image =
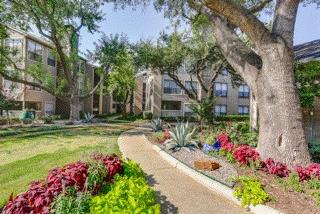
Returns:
<point x="160" y="95"/>
<point x="29" y="50"/>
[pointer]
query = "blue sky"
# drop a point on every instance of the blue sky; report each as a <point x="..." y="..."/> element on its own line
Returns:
<point x="147" y="24"/>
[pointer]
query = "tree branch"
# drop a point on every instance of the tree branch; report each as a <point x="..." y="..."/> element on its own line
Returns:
<point x="102" y="79"/>
<point x="284" y="20"/>
<point x="239" y="56"/>
<point x="241" y="17"/>
<point x="259" y="6"/>
<point x="181" y="85"/>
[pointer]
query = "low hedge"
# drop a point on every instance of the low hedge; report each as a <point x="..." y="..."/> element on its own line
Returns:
<point x="232" y="117"/>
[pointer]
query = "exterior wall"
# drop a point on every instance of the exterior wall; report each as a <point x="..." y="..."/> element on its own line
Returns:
<point x="28" y="95"/>
<point x="41" y="96"/>
<point x="157" y="94"/>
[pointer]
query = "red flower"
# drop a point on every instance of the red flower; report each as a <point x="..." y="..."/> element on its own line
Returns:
<point x="275" y="168"/>
<point x="245" y="154"/>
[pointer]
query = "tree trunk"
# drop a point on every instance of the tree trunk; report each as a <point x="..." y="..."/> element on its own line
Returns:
<point x="253" y="112"/>
<point x="131" y="102"/>
<point x="74" y="104"/>
<point x="281" y="133"/>
<point x="8" y="117"/>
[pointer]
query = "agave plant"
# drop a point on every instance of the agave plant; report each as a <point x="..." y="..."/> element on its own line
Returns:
<point x="156" y="124"/>
<point x="88" y="117"/>
<point x="181" y="137"/>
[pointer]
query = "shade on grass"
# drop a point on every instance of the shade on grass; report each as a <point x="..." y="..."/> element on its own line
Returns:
<point x="25" y="158"/>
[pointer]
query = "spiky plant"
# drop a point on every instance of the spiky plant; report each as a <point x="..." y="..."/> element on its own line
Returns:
<point x="88" y="117"/>
<point x="181" y="137"/>
<point x="156" y="124"/>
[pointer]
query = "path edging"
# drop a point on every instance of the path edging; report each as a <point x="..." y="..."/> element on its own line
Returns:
<point x="211" y="184"/>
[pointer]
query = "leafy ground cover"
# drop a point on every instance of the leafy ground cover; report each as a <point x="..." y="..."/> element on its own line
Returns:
<point x="31" y="152"/>
<point x="101" y="184"/>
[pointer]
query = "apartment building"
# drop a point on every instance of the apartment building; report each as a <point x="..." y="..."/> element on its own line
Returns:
<point x="161" y="95"/>
<point x="33" y="49"/>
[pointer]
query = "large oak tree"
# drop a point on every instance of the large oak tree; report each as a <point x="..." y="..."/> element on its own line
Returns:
<point x="266" y="65"/>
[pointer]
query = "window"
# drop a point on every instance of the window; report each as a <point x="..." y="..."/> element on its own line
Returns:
<point x="34" y="51"/>
<point x="244" y="91"/>
<point x="51" y="60"/>
<point x="221" y="89"/>
<point x="36" y="106"/>
<point x="33" y="88"/>
<point x="171" y="105"/>
<point x="188" y="109"/>
<point x="243" y="110"/>
<point x="220" y="109"/>
<point x="192" y="86"/>
<point x="171" y="87"/>
<point x="15" y="45"/>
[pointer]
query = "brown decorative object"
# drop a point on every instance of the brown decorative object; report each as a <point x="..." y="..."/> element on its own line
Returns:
<point x="206" y="165"/>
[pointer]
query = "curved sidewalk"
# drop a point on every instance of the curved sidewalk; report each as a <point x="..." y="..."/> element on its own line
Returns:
<point x="177" y="192"/>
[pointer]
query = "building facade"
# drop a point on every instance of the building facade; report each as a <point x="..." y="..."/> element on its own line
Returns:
<point x="30" y="50"/>
<point x="161" y="95"/>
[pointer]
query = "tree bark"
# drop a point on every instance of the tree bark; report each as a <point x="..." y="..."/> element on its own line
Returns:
<point x="74" y="104"/>
<point x="8" y="117"/>
<point x="253" y="112"/>
<point x="281" y="133"/>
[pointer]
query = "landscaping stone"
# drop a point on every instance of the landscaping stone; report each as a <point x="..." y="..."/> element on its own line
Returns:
<point x="206" y="165"/>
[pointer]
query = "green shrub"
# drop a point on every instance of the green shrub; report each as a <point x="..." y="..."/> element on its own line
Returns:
<point x="314" y="149"/>
<point x="314" y="183"/>
<point x="156" y="124"/>
<point x="233" y="118"/>
<point x="181" y="136"/>
<point x="48" y="119"/>
<point x="316" y="196"/>
<point x="147" y="115"/>
<point x="292" y="183"/>
<point x="96" y="174"/>
<point x="132" y="169"/>
<point x="127" y="195"/>
<point x="27" y="117"/>
<point x="71" y="201"/>
<point x="250" y="191"/>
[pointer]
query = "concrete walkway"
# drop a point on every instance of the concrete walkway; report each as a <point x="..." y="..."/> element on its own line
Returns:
<point x="177" y="192"/>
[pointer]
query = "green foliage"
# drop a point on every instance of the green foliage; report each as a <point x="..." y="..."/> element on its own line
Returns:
<point x="314" y="183"/>
<point x="27" y="117"/>
<point x="132" y="169"/>
<point x="147" y="115"/>
<point x="71" y="201"/>
<point x="181" y="137"/>
<point x="232" y="118"/>
<point x="239" y="133"/>
<point x="292" y="183"/>
<point x="48" y="119"/>
<point x="88" y="117"/>
<point x="96" y="174"/>
<point x="307" y="77"/>
<point x="250" y="191"/>
<point x="127" y="195"/>
<point x="316" y="196"/>
<point x="156" y="124"/>
<point x="203" y="110"/>
<point x="314" y="149"/>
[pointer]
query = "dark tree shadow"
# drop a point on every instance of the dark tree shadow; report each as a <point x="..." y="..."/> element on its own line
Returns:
<point x="166" y="205"/>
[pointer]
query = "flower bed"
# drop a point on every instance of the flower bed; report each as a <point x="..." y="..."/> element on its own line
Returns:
<point x="92" y="183"/>
<point x="300" y="179"/>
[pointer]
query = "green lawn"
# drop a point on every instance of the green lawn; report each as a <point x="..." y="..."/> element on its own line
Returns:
<point x="26" y="154"/>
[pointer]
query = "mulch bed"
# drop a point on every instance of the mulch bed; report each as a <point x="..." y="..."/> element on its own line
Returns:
<point x="288" y="202"/>
<point x="222" y="174"/>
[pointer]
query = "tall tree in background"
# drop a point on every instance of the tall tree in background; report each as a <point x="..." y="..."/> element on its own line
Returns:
<point x="193" y="52"/>
<point x="266" y="65"/>
<point x="115" y="55"/>
<point x="60" y="22"/>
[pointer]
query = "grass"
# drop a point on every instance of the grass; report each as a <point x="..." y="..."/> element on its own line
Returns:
<point x="31" y="152"/>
